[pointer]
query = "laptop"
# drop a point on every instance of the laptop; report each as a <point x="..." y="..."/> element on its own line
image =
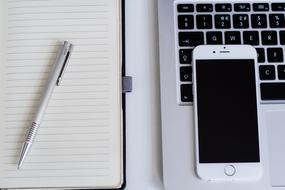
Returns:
<point x="258" y="23"/>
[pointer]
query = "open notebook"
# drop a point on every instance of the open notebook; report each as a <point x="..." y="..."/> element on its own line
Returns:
<point x="80" y="141"/>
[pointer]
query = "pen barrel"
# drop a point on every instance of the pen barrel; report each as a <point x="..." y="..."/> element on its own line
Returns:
<point x="51" y="82"/>
<point x="32" y="132"/>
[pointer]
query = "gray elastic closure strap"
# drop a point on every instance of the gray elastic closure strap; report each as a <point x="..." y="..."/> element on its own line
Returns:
<point x="127" y="84"/>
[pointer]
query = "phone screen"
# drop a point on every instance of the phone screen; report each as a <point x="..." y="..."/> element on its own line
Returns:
<point x="227" y="111"/>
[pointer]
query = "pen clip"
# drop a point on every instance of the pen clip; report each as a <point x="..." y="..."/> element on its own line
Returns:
<point x="67" y="50"/>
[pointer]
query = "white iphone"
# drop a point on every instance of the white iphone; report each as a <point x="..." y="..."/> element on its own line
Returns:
<point x="226" y="108"/>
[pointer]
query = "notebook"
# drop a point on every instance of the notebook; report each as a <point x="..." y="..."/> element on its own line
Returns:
<point x="80" y="141"/>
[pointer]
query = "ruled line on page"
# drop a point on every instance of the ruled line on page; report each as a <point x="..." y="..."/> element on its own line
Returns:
<point x="25" y="0"/>
<point x="81" y="38"/>
<point x="59" y="154"/>
<point x="60" y="99"/>
<point x="55" y="162"/>
<point x="62" y="18"/>
<point x="59" y="106"/>
<point x="60" y="144"/>
<point x="55" y="133"/>
<point x="66" y="140"/>
<point x="50" y="169"/>
<point x="59" y="96"/>
<point x="58" y="25"/>
<point x="86" y="45"/>
<point x="59" y="148"/>
<point x="71" y="6"/>
<point x="29" y="53"/>
<point x="62" y="176"/>
<point x="43" y="85"/>
<point x="58" y="12"/>
<point x="11" y="128"/>
<point x="57" y="32"/>
<point x="62" y="92"/>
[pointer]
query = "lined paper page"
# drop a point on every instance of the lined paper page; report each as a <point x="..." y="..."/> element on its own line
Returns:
<point x="79" y="141"/>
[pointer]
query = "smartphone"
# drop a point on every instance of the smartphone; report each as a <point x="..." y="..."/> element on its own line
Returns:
<point x="226" y="112"/>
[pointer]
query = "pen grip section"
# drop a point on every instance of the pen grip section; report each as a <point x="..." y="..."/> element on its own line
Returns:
<point x="32" y="132"/>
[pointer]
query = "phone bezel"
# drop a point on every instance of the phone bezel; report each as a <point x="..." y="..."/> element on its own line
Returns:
<point x="216" y="171"/>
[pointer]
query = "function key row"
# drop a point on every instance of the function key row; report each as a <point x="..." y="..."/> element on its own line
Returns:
<point x="223" y="21"/>
<point x="227" y="7"/>
<point x="268" y="37"/>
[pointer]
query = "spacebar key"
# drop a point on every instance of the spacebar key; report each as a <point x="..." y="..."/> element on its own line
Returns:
<point x="272" y="91"/>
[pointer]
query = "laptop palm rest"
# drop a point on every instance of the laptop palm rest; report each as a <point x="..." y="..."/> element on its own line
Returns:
<point x="275" y="123"/>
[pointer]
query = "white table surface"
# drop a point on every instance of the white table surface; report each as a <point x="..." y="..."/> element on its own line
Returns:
<point x="143" y="138"/>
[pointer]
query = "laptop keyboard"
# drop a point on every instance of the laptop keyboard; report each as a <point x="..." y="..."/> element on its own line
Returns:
<point x="261" y="25"/>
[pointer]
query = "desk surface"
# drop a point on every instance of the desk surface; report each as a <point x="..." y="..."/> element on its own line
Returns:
<point x="143" y="151"/>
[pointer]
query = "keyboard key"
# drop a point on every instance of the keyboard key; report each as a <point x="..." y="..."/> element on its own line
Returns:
<point x="185" y="74"/>
<point x="191" y="38"/>
<point x="223" y="7"/>
<point x="278" y="6"/>
<point x="277" y="20"/>
<point x="251" y="37"/>
<point x="275" y="54"/>
<point x="260" y="7"/>
<point x="222" y="21"/>
<point x="185" y="8"/>
<point x="214" y="37"/>
<point x="185" y="56"/>
<point x="281" y="72"/>
<point x="266" y="72"/>
<point x="260" y="55"/>
<point x="185" y="22"/>
<point x="269" y="37"/>
<point x="232" y="38"/>
<point x="272" y="91"/>
<point x="186" y="92"/>
<point x="258" y="21"/>
<point x="204" y="21"/>
<point x="204" y="8"/>
<point x="282" y="37"/>
<point x="240" y="21"/>
<point x="242" y="7"/>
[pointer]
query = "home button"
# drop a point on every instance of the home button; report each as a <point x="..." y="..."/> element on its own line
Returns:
<point x="230" y="170"/>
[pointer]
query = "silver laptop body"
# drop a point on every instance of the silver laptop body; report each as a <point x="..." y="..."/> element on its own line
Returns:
<point x="177" y="116"/>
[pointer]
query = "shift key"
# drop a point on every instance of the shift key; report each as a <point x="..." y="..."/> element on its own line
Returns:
<point x="272" y="91"/>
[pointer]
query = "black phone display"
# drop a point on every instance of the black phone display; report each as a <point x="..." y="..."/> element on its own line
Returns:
<point x="227" y="111"/>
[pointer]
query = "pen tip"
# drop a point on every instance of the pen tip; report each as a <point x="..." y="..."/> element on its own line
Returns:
<point x="24" y="152"/>
<point x="20" y="164"/>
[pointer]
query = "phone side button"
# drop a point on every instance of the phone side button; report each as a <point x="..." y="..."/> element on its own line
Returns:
<point x="230" y="170"/>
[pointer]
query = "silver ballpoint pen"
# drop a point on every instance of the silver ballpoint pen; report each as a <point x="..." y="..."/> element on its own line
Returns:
<point x="54" y="80"/>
